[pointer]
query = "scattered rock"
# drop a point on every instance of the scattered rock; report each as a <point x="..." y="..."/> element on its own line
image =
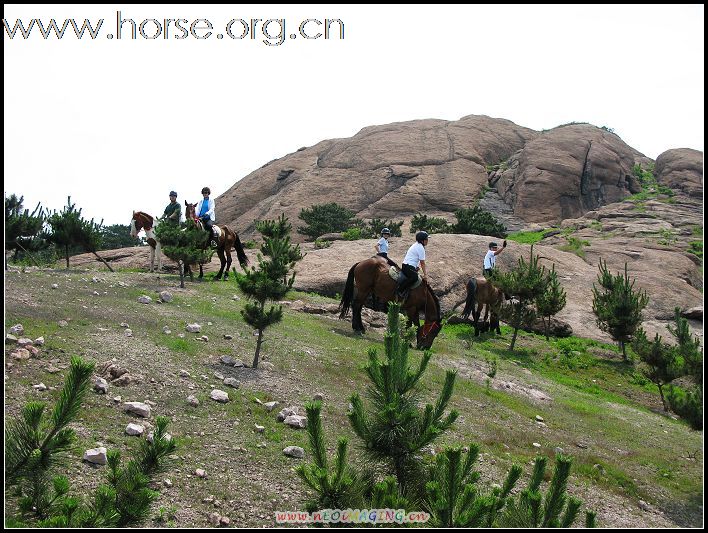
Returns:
<point x="294" y="451"/>
<point x="40" y="387"/>
<point x="644" y="506"/>
<point x="21" y="353"/>
<point x="218" y="375"/>
<point x="184" y="374"/>
<point x="166" y="330"/>
<point x="539" y="418"/>
<point x="200" y="473"/>
<point x="536" y="445"/>
<point x="215" y="519"/>
<point x="167" y="483"/>
<point x="204" y="338"/>
<point x="96" y="293"/>
<point x="144" y="299"/>
<point x="100" y="385"/>
<point x="232" y="382"/>
<point x="10" y="339"/>
<point x="139" y="408"/>
<point x="166" y="296"/>
<point x="33" y="350"/>
<point x="134" y="429"/>
<point x="17" y="329"/>
<point x="117" y="399"/>
<point x="96" y="456"/>
<point x="124" y="325"/>
<point x="55" y="286"/>
<point x="219" y="396"/>
<point x="122" y="381"/>
<point x="192" y="400"/>
<point x="128" y="332"/>
<point x="209" y="324"/>
<point x="270" y="406"/>
<point x="318" y="397"/>
<point x="285" y="412"/>
<point x="296" y="421"/>
<point x="225" y="521"/>
<point x="63" y="323"/>
<point x="259" y="429"/>
<point x="24" y="342"/>
<point x="39" y="341"/>
<point x="193" y="328"/>
<point x="558" y="450"/>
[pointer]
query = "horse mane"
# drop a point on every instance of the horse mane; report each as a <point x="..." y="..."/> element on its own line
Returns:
<point x="435" y="299"/>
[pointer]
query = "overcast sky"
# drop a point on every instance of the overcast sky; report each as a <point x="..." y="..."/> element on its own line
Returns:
<point x="118" y="123"/>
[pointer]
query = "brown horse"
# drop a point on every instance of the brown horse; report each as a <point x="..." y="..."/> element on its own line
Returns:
<point x="371" y="277"/>
<point x="481" y="291"/>
<point x="227" y="241"/>
<point x="143" y="221"/>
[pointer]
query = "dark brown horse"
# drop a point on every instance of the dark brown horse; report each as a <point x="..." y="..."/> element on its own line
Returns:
<point x="227" y="241"/>
<point x="143" y="221"/>
<point x="482" y="292"/>
<point x="371" y="277"/>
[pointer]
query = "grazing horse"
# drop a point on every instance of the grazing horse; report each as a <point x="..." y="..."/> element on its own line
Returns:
<point x="371" y="276"/>
<point x="482" y="292"/>
<point x="226" y="241"/>
<point x="143" y="221"/>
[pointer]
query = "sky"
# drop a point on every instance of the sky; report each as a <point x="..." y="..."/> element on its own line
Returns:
<point x="117" y="123"/>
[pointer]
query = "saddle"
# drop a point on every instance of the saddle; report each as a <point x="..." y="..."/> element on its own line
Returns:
<point x="216" y="231"/>
<point x="398" y="277"/>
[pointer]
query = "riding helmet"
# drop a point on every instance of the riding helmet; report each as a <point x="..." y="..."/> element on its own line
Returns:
<point x="421" y="236"/>
<point x="173" y="193"/>
<point x="385" y="231"/>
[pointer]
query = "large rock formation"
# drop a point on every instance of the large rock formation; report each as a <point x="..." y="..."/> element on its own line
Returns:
<point x="681" y="168"/>
<point x="430" y="166"/>
<point x="566" y="172"/>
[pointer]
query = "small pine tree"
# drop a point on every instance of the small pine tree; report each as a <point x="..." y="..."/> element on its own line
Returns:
<point x="280" y="229"/>
<point x="551" y="301"/>
<point x="617" y="305"/>
<point x="23" y="229"/>
<point x="525" y="283"/>
<point x="687" y="403"/>
<point x="662" y="366"/>
<point x="325" y="218"/>
<point x="452" y="494"/>
<point x="184" y="243"/>
<point x="372" y="229"/>
<point x="422" y="222"/>
<point x="69" y="230"/>
<point x="531" y="509"/>
<point x="689" y="349"/>
<point x="34" y="443"/>
<point x="339" y="488"/>
<point x="476" y="220"/>
<point x="268" y="282"/>
<point x="395" y="428"/>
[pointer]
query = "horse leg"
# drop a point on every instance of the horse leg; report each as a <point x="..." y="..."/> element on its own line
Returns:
<point x="158" y="251"/>
<point x="201" y="271"/>
<point x="222" y="260"/>
<point x="152" y="258"/>
<point x="357" y="305"/>
<point x="228" y="264"/>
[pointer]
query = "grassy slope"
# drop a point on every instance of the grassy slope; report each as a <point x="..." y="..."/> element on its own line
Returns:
<point x="631" y="450"/>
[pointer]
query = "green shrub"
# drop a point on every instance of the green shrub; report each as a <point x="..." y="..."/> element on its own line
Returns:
<point x="422" y="222"/>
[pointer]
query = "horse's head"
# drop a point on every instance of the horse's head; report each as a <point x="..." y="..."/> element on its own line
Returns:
<point x="190" y="213"/>
<point x="431" y="327"/>
<point x="426" y="334"/>
<point x="139" y="221"/>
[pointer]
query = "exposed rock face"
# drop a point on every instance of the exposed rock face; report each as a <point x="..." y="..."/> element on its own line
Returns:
<point x="681" y="168"/>
<point x="399" y="169"/>
<point x="566" y="172"/>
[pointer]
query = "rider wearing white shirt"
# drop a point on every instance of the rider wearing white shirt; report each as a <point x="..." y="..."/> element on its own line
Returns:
<point x="414" y="260"/>
<point x="491" y="258"/>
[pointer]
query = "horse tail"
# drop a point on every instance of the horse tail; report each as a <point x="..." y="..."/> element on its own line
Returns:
<point x="240" y="252"/>
<point x="348" y="295"/>
<point x="471" y="296"/>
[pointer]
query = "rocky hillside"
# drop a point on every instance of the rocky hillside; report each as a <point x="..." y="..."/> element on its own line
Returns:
<point x="575" y="181"/>
<point x="436" y="167"/>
